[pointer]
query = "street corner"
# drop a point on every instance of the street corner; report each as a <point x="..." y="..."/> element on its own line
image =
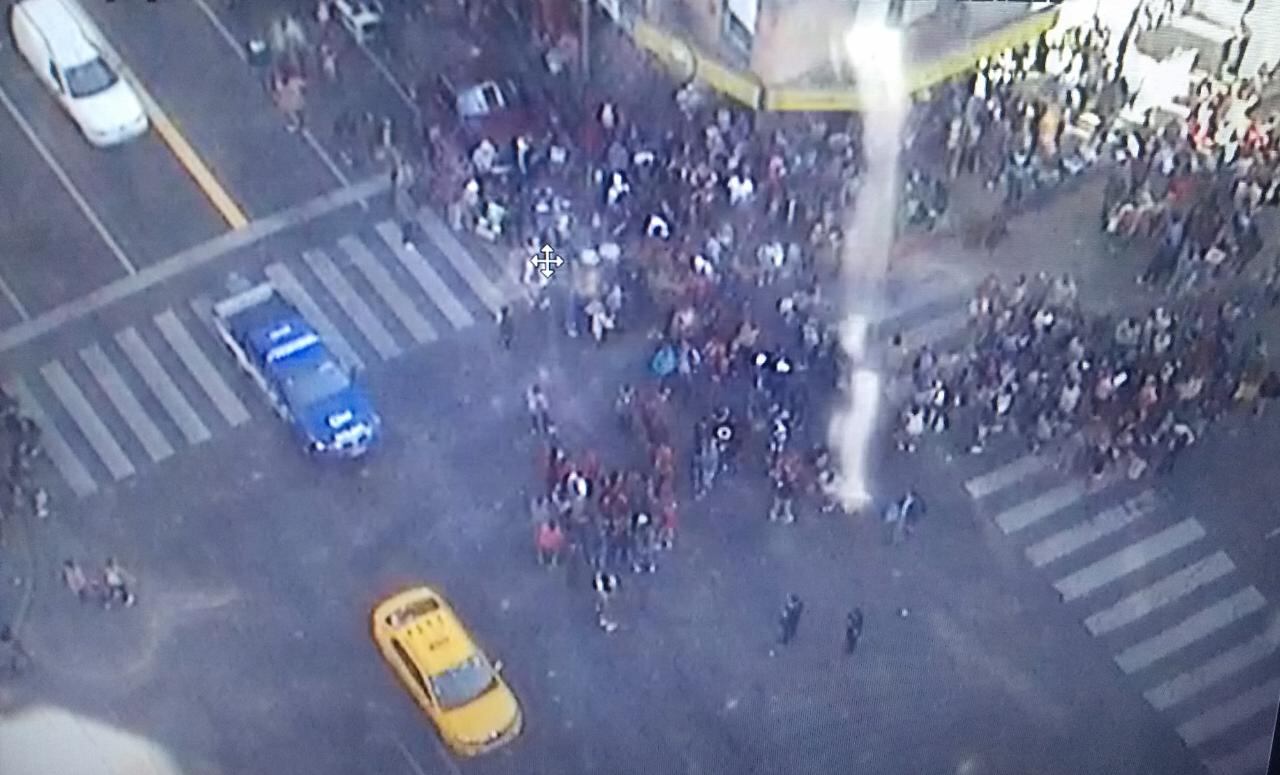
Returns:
<point x="127" y="642"/>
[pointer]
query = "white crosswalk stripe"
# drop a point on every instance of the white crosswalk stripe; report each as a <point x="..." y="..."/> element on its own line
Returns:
<point x="117" y="391"/>
<point x="426" y="277"/>
<point x="1044" y="505"/>
<point x="162" y="386"/>
<point x="1199" y="625"/>
<point x="55" y="444"/>
<point x="994" y="481"/>
<point x="1166" y="591"/>
<point x="1129" y="559"/>
<point x="111" y="399"/>
<point x="382" y="282"/>
<point x="1065" y="542"/>
<point x="351" y="303"/>
<point x="198" y="364"/>
<point x="462" y="261"/>
<point x="291" y="289"/>
<point x="1222" y="666"/>
<point x="1251" y="759"/>
<point x="90" y="425"/>
<point x="1231" y="713"/>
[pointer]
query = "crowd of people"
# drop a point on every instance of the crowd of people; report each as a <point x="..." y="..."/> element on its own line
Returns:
<point x="22" y="435"/>
<point x="1109" y="393"/>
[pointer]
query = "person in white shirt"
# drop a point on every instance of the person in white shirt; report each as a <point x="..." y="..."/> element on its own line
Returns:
<point x="741" y="188"/>
<point x="484" y="156"/>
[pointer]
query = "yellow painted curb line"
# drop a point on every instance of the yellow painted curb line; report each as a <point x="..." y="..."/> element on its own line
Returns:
<point x="182" y="150"/>
<point x="194" y="165"/>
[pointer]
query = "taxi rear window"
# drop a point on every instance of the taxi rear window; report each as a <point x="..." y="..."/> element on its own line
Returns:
<point x="415" y="610"/>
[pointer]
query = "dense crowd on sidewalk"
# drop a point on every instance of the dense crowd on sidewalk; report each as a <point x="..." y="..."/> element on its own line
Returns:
<point x="717" y="231"/>
<point x="727" y="271"/>
<point x="1109" y="394"/>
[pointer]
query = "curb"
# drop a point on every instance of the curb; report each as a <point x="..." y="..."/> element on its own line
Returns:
<point x="26" y="535"/>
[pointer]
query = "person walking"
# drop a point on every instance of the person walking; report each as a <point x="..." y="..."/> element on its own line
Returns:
<point x="291" y="101"/>
<point x="74" y="579"/>
<point x="852" y="630"/>
<point x="506" y="327"/>
<point x="16" y="658"/>
<point x="539" y="410"/>
<point x="789" y="621"/>
<point x="118" y="582"/>
<point x="606" y="586"/>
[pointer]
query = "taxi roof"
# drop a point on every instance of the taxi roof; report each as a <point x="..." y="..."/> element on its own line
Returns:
<point x="436" y="640"/>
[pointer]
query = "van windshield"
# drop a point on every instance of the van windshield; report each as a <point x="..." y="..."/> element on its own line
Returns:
<point x="90" y="78"/>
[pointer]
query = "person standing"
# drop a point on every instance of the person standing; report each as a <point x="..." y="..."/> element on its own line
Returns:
<point x="506" y="327"/>
<point x="16" y="658"/>
<point x="852" y="630"/>
<point x="291" y="100"/>
<point x="789" y="621"/>
<point x="118" y="582"/>
<point x="606" y="586"/>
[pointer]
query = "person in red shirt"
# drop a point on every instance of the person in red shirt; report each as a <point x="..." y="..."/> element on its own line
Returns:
<point x="550" y="541"/>
<point x="668" y="521"/>
<point x="664" y="463"/>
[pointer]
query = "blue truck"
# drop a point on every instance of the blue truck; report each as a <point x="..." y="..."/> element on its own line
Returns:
<point x="307" y="385"/>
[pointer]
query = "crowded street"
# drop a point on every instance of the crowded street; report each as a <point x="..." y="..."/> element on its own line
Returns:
<point x="492" y="309"/>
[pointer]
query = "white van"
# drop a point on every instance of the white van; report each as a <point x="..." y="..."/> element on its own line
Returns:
<point x="62" y="51"/>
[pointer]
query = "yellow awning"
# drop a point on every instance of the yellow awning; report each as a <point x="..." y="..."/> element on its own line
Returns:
<point x="686" y="61"/>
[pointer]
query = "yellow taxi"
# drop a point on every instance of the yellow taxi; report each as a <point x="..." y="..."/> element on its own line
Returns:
<point x="430" y="651"/>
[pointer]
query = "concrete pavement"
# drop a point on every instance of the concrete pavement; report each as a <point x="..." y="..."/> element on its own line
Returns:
<point x="249" y="650"/>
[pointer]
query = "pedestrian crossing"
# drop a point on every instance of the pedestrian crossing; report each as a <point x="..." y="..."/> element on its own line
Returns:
<point x="1174" y="612"/>
<point x="1202" y="643"/>
<point x="120" y="402"/>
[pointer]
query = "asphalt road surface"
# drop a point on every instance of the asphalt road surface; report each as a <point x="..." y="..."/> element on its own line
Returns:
<point x="1047" y="629"/>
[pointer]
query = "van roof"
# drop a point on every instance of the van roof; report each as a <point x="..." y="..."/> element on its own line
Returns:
<point x="69" y="46"/>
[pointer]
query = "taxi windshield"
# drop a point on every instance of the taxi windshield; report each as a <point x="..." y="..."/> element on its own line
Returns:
<point x="307" y="388"/>
<point x="92" y="77"/>
<point x="462" y="683"/>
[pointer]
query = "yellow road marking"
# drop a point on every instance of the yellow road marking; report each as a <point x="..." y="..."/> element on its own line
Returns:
<point x="194" y="165"/>
<point x="168" y="131"/>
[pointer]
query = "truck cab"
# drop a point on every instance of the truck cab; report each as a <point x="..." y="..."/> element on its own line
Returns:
<point x="303" y="380"/>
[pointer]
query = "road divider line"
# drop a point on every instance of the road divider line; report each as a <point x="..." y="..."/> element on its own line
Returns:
<point x="70" y="187"/>
<point x="13" y="300"/>
<point x="188" y="259"/>
<point x="168" y="131"/>
<point x="223" y="32"/>
<point x="239" y="49"/>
